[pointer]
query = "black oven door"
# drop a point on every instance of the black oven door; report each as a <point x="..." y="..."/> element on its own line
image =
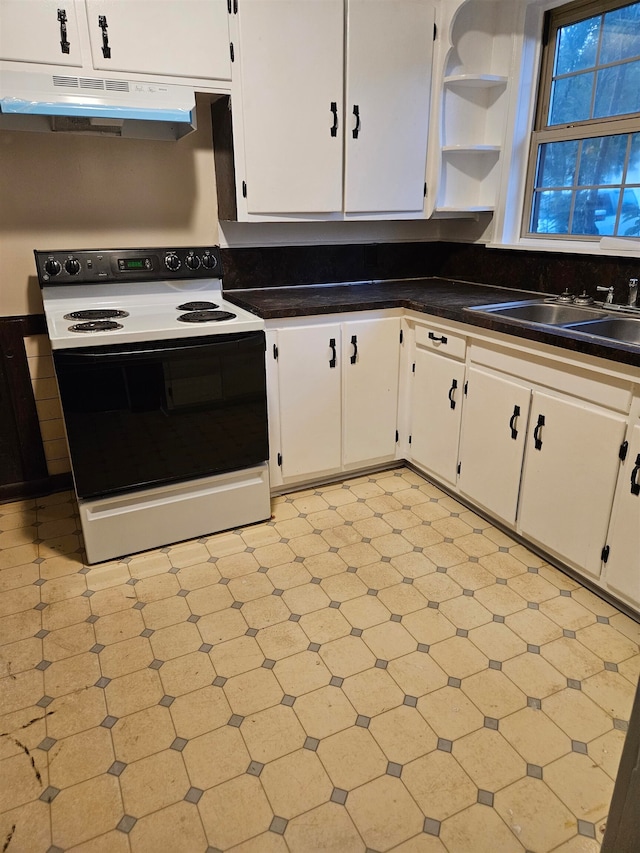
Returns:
<point x="143" y="414"/>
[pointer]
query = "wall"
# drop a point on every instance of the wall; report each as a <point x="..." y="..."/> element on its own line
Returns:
<point x="59" y="190"/>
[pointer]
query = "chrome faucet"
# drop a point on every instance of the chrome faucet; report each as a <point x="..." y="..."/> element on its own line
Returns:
<point x="609" y="292"/>
<point x="633" y="293"/>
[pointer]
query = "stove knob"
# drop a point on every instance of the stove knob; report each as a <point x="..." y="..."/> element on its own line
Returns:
<point x="52" y="267"/>
<point x="72" y="266"/>
<point x="193" y="262"/>
<point x="172" y="261"/>
<point x="209" y="261"/>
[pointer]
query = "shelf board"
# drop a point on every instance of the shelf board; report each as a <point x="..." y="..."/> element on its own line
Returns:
<point x="476" y="81"/>
<point x="471" y="149"/>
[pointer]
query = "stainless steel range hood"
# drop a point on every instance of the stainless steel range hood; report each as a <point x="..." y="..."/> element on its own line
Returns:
<point x="95" y="105"/>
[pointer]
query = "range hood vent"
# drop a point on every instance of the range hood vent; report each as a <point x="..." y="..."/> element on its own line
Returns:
<point x="68" y="104"/>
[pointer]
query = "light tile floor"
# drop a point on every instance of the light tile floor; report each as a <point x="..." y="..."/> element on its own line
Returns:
<point x="376" y="668"/>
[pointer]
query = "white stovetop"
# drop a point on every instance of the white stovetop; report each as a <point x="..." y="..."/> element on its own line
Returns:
<point x="152" y="308"/>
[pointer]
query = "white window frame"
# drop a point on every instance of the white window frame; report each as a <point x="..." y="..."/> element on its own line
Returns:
<point x="508" y="217"/>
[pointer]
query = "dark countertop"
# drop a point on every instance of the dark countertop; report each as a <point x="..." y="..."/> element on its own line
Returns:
<point x="438" y="297"/>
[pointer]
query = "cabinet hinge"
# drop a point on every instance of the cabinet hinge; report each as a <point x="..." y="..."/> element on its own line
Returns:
<point x="244" y="189"/>
<point x="232" y="52"/>
<point x="397" y="436"/>
<point x="413" y="367"/>
<point x="604" y="556"/>
<point x="425" y="189"/>
<point x="466" y="386"/>
<point x="401" y="336"/>
<point x="275" y="351"/>
<point x="459" y="467"/>
<point x="435" y="32"/>
<point x="624" y="447"/>
<point x="280" y="460"/>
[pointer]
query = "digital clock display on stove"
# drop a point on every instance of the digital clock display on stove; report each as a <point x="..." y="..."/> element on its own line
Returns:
<point x="135" y="264"/>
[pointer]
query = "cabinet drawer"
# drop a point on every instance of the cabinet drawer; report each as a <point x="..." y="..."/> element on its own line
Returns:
<point x="433" y="338"/>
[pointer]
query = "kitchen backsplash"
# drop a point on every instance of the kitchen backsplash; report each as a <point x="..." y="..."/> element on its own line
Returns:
<point x="281" y="266"/>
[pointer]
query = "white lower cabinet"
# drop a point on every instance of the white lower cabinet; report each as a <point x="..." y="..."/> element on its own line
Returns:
<point x="622" y="569"/>
<point x="337" y="396"/>
<point x="569" y="478"/>
<point x="494" y="429"/>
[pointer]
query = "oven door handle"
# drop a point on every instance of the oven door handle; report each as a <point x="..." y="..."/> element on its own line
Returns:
<point x="141" y="351"/>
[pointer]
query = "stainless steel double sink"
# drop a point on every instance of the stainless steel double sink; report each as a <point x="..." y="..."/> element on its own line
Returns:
<point x="596" y="322"/>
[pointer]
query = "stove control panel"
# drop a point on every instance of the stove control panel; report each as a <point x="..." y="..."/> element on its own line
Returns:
<point x="94" y="266"/>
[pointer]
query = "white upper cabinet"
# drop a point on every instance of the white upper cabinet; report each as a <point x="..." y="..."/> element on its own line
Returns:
<point x="292" y="72"/>
<point x="331" y="115"/>
<point x="388" y="87"/>
<point x="183" y="38"/>
<point x="39" y="31"/>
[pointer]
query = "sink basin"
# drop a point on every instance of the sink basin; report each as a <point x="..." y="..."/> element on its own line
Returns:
<point x="544" y="313"/>
<point x="623" y="329"/>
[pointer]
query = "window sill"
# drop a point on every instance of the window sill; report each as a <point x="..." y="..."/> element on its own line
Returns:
<point x="607" y="246"/>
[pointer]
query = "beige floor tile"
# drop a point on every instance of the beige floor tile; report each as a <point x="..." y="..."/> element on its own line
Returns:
<point x="20" y="656"/>
<point x="458" y="657"/>
<point x="534" y="675"/>
<point x="372" y="527"/>
<point x="379" y="576"/>
<point x="503" y="565"/>
<point x="341" y="536"/>
<point x="148" y="564"/>
<point x="571" y="658"/>
<point x="80" y="757"/>
<point x="296" y="783"/>
<point x="428" y="626"/>
<point x="577" y="715"/>
<point x="190" y="554"/>
<point x="288" y="575"/>
<point x="581" y="785"/>
<point x="489" y="759"/>
<point x="21" y="626"/>
<point x="234" y="811"/>
<point x="606" y="750"/>
<point x="260" y="534"/>
<point x="384" y="813"/>
<point x="465" y="612"/>
<point x="219" y="627"/>
<point x="322" y="626"/>
<point x="493" y="693"/>
<point x="122" y="596"/>
<point x="352" y="511"/>
<point x="533" y="626"/>
<point x="28" y="827"/>
<point x="445" y="554"/>
<point x="85" y="811"/>
<point x="199" y="712"/>
<point x="521" y="806"/>
<point x="557" y="578"/>
<point x="450" y="713"/>
<point x="439" y="785"/>
<point x="533" y="587"/>
<point x="133" y="692"/>
<point x="71" y="674"/>
<point x="402" y="734"/>
<point x="389" y="640"/>
<point x="215" y="757"/>
<point x="266" y="842"/>
<point x="281" y="640"/>
<point x="266" y="611"/>
<point x="534" y="736"/>
<point x="302" y="546"/>
<point x="125" y="657"/>
<point x="497" y="642"/>
<point x="593" y="602"/>
<point x="21" y="690"/>
<point x="427" y="537"/>
<point x="144" y="733"/>
<point x="20" y="781"/>
<point x="122" y="625"/>
<point x="581" y="844"/>
<point x="236" y="656"/>
<point x="289" y="528"/>
<point x="190" y="672"/>
<point x="327" y="827"/>
<point x="607" y="642"/>
<point x="421" y="844"/>
<point x="178" y="824"/>
<point x="198" y="574"/>
<point x="153" y="783"/>
<point x="209" y="599"/>
<point x="452" y="528"/>
<point x="64" y="613"/>
<point x="417" y="674"/>
<point x="359" y="554"/>
<point x="20" y="729"/>
<point x="253" y="691"/>
<point x="175" y="640"/>
<point x="567" y="612"/>
<point x="612" y="692"/>
<point x="351" y="758"/>
<point x="630" y="668"/>
<point x="471" y="576"/>
<point x="19" y="576"/>
<point x="272" y="733"/>
<point x="157" y="587"/>
<point x="237" y="564"/>
<point x="67" y="564"/>
<point x="413" y="565"/>
<point x="626" y="626"/>
<point x="305" y="599"/>
<point x="60" y="589"/>
<point x="325" y="712"/>
<point x="480" y="829"/>
<point x="312" y="503"/>
<point x="347" y="656"/>
<point x="76" y="712"/>
<point x="343" y="587"/>
<point x="18" y="600"/>
<point x="365" y="611"/>
<point x="301" y="673"/>
<point x="438" y="587"/>
<point x="372" y="692"/>
<point x="18" y="555"/>
<point x="250" y="587"/>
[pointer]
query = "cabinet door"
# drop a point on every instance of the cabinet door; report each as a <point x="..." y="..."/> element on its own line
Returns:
<point x="310" y="405"/>
<point x="570" y="471"/>
<point x="34" y="31"/>
<point x="184" y="38"/>
<point x="389" y="52"/>
<point x="370" y="369"/>
<point x="291" y="59"/>
<point x="623" y="566"/>
<point x="494" y="428"/>
<point x="436" y="413"/>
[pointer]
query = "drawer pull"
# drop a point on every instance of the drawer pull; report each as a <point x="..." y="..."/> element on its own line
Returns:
<point x="512" y="422"/>
<point x="439" y="340"/>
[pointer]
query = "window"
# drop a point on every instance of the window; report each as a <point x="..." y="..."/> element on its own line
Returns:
<point x="584" y="171"/>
